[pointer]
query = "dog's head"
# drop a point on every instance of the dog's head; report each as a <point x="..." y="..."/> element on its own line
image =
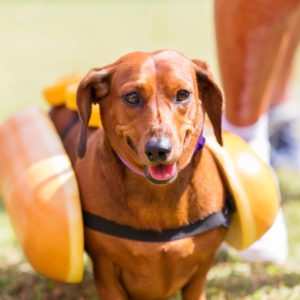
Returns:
<point x="152" y="109"/>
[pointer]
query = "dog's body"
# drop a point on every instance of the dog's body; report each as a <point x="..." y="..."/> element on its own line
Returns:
<point x="141" y="104"/>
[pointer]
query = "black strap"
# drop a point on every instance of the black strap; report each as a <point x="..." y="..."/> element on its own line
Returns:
<point x="69" y="127"/>
<point x="102" y="225"/>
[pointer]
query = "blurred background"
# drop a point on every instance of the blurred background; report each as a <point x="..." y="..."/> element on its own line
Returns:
<point x="43" y="40"/>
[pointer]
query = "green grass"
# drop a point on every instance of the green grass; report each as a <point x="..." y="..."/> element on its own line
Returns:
<point x="42" y="40"/>
<point x="233" y="279"/>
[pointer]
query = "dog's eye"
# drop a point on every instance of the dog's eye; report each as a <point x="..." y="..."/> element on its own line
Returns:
<point x="132" y="98"/>
<point x="182" y="95"/>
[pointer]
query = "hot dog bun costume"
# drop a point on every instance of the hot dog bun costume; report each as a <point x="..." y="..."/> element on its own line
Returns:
<point x="40" y="194"/>
<point x="63" y="92"/>
<point x="252" y="186"/>
<point x="248" y="179"/>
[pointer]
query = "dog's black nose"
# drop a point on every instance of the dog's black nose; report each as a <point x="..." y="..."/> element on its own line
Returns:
<point x="158" y="151"/>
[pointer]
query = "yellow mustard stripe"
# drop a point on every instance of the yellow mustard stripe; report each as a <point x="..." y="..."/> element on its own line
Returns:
<point x="55" y="92"/>
<point x="70" y="96"/>
<point x="64" y="92"/>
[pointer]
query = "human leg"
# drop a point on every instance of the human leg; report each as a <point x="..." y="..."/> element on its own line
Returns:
<point x="253" y="39"/>
<point x="284" y="110"/>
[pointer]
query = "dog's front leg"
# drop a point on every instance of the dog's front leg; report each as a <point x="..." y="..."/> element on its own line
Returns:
<point x="108" y="281"/>
<point x="195" y="288"/>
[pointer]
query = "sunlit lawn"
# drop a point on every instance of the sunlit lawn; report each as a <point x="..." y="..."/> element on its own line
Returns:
<point x="42" y="40"/>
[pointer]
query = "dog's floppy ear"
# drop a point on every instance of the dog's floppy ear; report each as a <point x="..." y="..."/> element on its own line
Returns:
<point x="213" y="97"/>
<point x="91" y="89"/>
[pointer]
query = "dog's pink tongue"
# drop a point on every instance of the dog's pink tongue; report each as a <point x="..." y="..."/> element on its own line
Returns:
<point x="162" y="172"/>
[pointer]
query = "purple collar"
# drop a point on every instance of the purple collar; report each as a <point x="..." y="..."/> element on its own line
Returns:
<point x="127" y="165"/>
<point x="200" y="144"/>
<point x="199" y="147"/>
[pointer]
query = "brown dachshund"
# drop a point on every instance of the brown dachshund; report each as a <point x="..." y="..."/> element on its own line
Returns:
<point x="152" y="110"/>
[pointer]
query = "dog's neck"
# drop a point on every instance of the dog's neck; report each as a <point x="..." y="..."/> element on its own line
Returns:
<point x="122" y="196"/>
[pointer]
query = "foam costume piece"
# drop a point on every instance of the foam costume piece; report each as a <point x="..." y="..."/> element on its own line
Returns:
<point x="41" y="197"/>
<point x="70" y="96"/>
<point x="55" y="92"/>
<point x="63" y="92"/>
<point x="252" y="186"/>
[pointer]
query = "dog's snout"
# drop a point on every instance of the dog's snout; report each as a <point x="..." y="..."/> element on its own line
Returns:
<point x="158" y="151"/>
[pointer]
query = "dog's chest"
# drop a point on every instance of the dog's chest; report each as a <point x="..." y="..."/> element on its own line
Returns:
<point x="168" y="266"/>
<point x="179" y="249"/>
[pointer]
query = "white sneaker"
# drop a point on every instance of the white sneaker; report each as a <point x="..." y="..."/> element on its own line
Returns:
<point x="271" y="247"/>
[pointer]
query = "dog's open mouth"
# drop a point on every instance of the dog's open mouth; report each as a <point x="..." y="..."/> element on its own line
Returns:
<point x="161" y="174"/>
